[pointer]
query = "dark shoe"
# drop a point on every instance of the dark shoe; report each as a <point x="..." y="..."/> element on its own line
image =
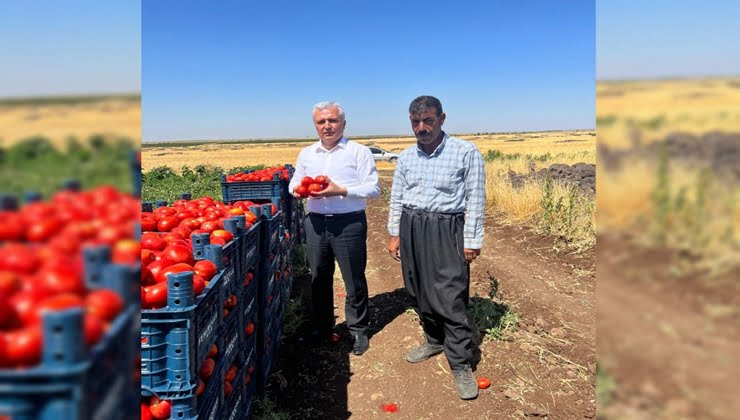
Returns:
<point x="361" y="344"/>
<point x="467" y="387"/>
<point x="424" y="352"/>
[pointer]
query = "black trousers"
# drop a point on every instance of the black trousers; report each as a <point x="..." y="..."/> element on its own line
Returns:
<point x="437" y="277"/>
<point x="344" y="237"/>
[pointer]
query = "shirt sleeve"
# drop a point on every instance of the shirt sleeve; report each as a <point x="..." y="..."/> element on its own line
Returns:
<point x="300" y="172"/>
<point x="396" y="203"/>
<point x="475" y="200"/>
<point x="369" y="186"/>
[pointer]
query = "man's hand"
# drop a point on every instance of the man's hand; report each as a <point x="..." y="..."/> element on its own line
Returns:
<point x="295" y="194"/>
<point x="332" y="190"/>
<point x="471" y="254"/>
<point x="394" y="246"/>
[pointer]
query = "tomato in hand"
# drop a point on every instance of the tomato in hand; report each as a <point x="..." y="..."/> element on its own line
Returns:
<point x="306" y="181"/>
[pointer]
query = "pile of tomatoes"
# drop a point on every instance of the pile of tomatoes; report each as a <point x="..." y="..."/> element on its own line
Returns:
<point x="311" y="185"/>
<point x="41" y="266"/>
<point x="154" y="408"/>
<point x="167" y="244"/>
<point x="261" y="175"/>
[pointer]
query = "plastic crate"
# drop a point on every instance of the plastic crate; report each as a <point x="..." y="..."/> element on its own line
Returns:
<point x="251" y="247"/>
<point x="176" y="339"/>
<point x="226" y="259"/>
<point x="72" y="381"/>
<point x="242" y="191"/>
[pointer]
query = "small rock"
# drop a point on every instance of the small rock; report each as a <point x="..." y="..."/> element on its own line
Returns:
<point x="511" y="394"/>
<point x="540" y="323"/>
<point x="558" y="332"/>
<point x="649" y="390"/>
<point x="376" y="396"/>
<point x="535" y="411"/>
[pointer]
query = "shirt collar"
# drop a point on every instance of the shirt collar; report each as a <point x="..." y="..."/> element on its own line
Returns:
<point x="342" y="143"/>
<point x="436" y="151"/>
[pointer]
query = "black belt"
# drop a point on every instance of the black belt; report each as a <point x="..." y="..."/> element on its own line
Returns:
<point x="337" y="216"/>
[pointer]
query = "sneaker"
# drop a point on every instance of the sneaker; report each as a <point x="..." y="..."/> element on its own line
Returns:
<point x="361" y="344"/>
<point x="467" y="387"/>
<point x="424" y="352"/>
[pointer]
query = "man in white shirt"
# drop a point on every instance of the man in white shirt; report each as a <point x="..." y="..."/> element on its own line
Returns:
<point x="336" y="224"/>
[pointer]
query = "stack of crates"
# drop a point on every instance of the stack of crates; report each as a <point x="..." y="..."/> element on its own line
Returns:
<point x="176" y="340"/>
<point x="72" y="382"/>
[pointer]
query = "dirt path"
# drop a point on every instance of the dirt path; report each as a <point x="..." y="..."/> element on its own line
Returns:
<point x="546" y="369"/>
<point x="670" y="341"/>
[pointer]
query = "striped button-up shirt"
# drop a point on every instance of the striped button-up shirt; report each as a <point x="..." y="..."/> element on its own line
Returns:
<point x="349" y="165"/>
<point x="452" y="179"/>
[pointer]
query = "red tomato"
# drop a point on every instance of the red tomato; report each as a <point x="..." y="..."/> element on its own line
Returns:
<point x="166" y="224"/>
<point x="228" y="237"/>
<point x="209" y="226"/>
<point x="321" y="180"/>
<point x="483" y="383"/>
<point x="153" y="241"/>
<point x="18" y="259"/>
<point x="56" y="303"/>
<point x="146" y="413"/>
<point x="250" y="217"/>
<point x="179" y="254"/>
<point x="213" y="352"/>
<point x="249" y="329"/>
<point x="23" y="346"/>
<point x="160" y="409"/>
<point x="7" y="316"/>
<point x="61" y="279"/>
<point x="306" y="181"/>
<point x="201" y="388"/>
<point x="9" y="283"/>
<point x="207" y="368"/>
<point x="147" y="257"/>
<point x="155" y="296"/>
<point x="175" y="268"/>
<point x="11" y="226"/>
<point x="313" y="188"/>
<point x="191" y="224"/>
<point x="217" y="240"/>
<point x="231" y="373"/>
<point x="43" y="230"/>
<point x="199" y="285"/>
<point x="94" y="329"/>
<point x="302" y="191"/>
<point x="104" y="303"/>
<point x="236" y="211"/>
<point x="228" y="388"/>
<point x="206" y="269"/>
<point x="182" y="230"/>
<point x="126" y="251"/>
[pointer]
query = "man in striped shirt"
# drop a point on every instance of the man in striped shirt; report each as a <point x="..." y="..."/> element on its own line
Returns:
<point x="435" y="224"/>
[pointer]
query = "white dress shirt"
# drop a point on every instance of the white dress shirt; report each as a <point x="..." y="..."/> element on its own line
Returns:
<point x="349" y="165"/>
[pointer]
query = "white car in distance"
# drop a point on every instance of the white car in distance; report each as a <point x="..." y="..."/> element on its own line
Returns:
<point x="380" y="154"/>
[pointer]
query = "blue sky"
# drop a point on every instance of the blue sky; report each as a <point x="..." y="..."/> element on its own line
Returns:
<point x="51" y="47"/>
<point x="667" y="38"/>
<point x="247" y="69"/>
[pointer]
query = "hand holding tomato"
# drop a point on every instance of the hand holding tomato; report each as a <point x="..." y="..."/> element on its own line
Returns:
<point x="331" y="189"/>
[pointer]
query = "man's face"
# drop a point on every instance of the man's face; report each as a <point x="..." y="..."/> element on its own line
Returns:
<point x="427" y="125"/>
<point x="329" y="125"/>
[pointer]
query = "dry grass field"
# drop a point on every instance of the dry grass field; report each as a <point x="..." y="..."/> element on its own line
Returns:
<point x="59" y="118"/>
<point x="577" y="145"/>
<point x="662" y="107"/>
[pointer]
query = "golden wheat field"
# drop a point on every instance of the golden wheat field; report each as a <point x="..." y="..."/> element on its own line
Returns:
<point x="114" y="116"/>
<point x="689" y="201"/>
<point x="573" y="146"/>
<point x="661" y="107"/>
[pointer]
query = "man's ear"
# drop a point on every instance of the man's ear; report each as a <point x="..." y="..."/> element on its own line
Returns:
<point x="344" y="124"/>
<point x="442" y="117"/>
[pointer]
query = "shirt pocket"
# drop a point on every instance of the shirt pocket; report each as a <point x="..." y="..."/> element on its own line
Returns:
<point x="446" y="181"/>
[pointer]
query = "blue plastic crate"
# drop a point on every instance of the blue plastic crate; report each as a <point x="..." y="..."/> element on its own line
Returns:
<point x="187" y="406"/>
<point x="251" y="247"/>
<point x="176" y="339"/>
<point x="226" y="259"/>
<point x="71" y="380"/>
<point x="243" y="191"/>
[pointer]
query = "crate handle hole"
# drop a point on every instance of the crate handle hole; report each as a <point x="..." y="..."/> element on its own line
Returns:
<point x="177" y="301"/>
<point x="59" y="357"/>
<point x="176" y="284"/>
<point x="178" y="351"/>
<point x="178" y="377"/>
<point x="58" y="329"/>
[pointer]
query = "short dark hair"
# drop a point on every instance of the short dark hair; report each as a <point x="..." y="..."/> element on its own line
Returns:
<point x="421" y="104"/>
